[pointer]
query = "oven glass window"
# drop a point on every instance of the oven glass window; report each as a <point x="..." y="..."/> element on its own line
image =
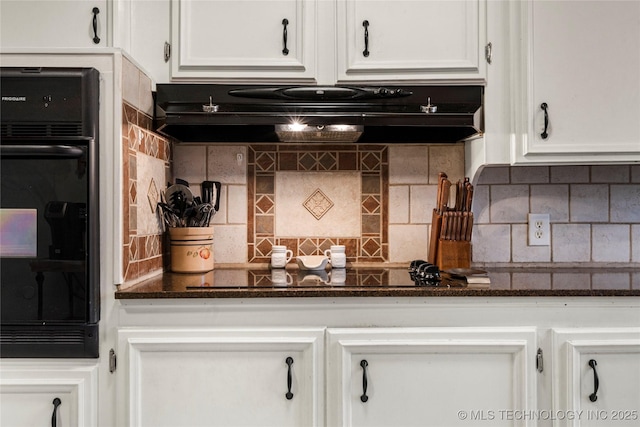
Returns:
<point x="43" y="237"/>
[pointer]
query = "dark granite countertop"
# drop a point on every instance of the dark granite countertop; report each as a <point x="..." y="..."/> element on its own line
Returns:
<point x="383" y="282"/>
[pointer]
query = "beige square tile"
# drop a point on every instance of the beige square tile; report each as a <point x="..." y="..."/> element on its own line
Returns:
<point x="408" y="242"/>
<point x="145" y="97"/>
<point x="227" y="163"/>
<point x="569" y="174"/>
<point x="236" y="206"/>
<point x="130" y="83"/>
<point x="509" y="203"/>
<point x="625" y="203"/>
<point x="448" y="159"/>
<point x="551" y="199"/>
<point x="398" y="204"/>
<point x="494" y="175"/>
<point x="230" y="244"/>
<point x="480" y="206"/>
<point x="610" y="243"/>
<point x="190" y="163"/>
<point x="423" y="200"/>
<point x="521" y="251"/>
<point x="570" y="242"/>
<point x="610" y="173"/>
<point x="408" y="164"/>
<point x="589" y="203"/>
<point x="335" y="198"/>
<point x="529" y="174"/>
<point x="491" y="243"/>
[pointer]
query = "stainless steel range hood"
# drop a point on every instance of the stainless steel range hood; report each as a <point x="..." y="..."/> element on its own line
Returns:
<point x="363" y="114"/>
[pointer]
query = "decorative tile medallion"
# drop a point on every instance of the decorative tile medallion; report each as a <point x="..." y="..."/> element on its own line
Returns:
<point x="370" y="164"/>
<point x="318" y="204"/>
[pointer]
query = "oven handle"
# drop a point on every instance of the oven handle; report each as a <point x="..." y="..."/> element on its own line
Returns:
<point x="62" y="151"/>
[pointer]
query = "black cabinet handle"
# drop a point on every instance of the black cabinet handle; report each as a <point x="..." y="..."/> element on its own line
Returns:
<point x="593" y="396"/>
<point x="365" y="24"/>
<point x="96" y="39"/>
<point x="54" y="417"/>
<point x="544" y="133"/>
<point x="285" y="22"/>
<point x="364" y="365"/>
<point x="289" y="395"/>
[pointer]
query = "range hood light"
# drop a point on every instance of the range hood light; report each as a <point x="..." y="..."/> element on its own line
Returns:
<point x="296" y="127"/>
<point x="320" y="133"/>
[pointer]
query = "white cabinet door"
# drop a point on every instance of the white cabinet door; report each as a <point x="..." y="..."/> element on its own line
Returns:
<point x="243" y="39"/>
<point x="221" y="377"/>
<point x="148" y="45"/>
<point x="28" y="391"/>
<point x="610" y="355"/>
<point x="429" y="376"/>
<point x="411" y="40"/>
<point x="582" y="60"/>
<point x="53" y="23"/>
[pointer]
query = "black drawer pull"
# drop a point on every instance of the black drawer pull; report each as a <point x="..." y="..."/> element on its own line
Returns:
<point x="365" y="24"/>
<point x="544" y="133"/>
<point x="289" y="395"/>
<point x="285" y="22"/>
<point x="54" y="417"/>
<point x="596" y="383"/>
<point x="96" y="39"/>
<point x="364" y="365"/>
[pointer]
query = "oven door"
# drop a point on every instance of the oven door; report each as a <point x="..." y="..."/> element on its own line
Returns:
<point x="48" y="242"/>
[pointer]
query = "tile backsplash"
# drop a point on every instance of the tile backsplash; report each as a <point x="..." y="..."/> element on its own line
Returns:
<point x="378" y="200"/>
<point x="146" y="161"/>
<point x="594" y="214"/>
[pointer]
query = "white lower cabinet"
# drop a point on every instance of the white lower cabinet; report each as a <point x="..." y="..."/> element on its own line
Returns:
<point x="240" y="377"/>
<point x="596" y="374"/>
<point x="430" y="376"/>
<point x="39" y="393"/>
<point x="221" y="377"/>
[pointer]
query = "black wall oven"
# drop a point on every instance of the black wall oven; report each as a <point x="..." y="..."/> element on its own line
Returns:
<point x="49" y="225"/>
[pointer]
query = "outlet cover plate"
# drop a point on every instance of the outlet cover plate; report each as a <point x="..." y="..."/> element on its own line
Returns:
<point x="539" y="230"/>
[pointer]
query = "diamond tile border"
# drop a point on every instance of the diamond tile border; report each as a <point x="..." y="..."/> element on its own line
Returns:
<point x="264" y="160"/>
<point x="143" y="254"/>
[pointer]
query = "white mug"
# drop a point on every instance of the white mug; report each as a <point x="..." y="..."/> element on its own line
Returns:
<point x="337" y="256"/>
<point x="280" y="256"/>
<point x="281" y="278"/>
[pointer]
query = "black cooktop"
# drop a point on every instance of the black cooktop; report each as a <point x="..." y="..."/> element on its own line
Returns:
<point x="360" y="277"/>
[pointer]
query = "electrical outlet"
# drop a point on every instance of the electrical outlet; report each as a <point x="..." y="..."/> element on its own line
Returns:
<point x="539" y="230"/>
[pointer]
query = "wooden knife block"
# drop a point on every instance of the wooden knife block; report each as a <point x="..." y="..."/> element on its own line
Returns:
<point x="453" y="254"/>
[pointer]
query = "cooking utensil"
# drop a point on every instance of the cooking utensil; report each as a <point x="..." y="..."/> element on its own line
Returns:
<point x="169" y="216"/>
<point x="179" y="197"/>
<point x="211" y="191"/>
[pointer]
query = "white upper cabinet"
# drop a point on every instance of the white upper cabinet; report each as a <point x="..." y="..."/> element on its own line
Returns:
<point x="581" y="61"/>
<point x="326" y="42"/>
<point x="411" y="40"/>
<point x="240" y="40"/>
<point x="53" y="24"/>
